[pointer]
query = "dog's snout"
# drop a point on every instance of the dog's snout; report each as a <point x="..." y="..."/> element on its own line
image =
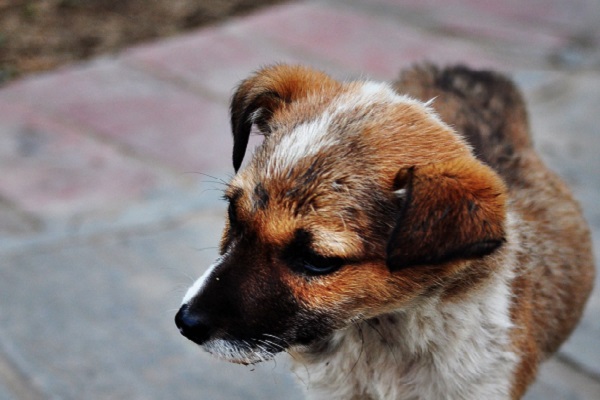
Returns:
<point x="193" y="325"/>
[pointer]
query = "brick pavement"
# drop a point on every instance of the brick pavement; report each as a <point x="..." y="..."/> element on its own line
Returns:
<point x="106" y="215"/>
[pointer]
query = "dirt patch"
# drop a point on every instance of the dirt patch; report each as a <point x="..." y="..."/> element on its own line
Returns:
<point x="38" y="35"/>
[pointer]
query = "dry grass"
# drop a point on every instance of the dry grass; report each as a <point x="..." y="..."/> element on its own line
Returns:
<point x="43" y="34"/>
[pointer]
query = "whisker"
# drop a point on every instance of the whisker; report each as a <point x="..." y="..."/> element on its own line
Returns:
<point x="284" y="343"/>
<point x="362" y="347"/>
<point x="177" y="271"/>
<point x="210" y="190"/>
<point x="264" y="350"/>
<point x="306" y="384"/>
<point x="385" y="341"/>
<point x="205" y="248"/>
<point x="284" y="347"/>
<point x="215" y="178"/>
<point x="271" y="344"/>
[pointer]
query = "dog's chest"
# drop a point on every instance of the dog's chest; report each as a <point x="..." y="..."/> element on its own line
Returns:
<point x="458" y="351"/>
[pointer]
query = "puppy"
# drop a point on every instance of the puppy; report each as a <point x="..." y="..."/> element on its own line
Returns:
<point x="400" y="241"/>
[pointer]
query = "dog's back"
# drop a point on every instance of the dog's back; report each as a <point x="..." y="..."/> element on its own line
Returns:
<point x="556" y="271"/>
<point x="484" y="107"/>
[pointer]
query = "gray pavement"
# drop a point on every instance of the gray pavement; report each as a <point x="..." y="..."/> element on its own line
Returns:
<point x="109" y="209"/>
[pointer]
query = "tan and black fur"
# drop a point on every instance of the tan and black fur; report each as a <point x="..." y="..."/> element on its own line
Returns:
<point x="400" y="241"/>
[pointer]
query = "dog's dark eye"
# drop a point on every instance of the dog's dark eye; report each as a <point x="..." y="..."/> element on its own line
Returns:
<point x="318" y="265"/>
<point x="232" y="208"/>
<point x="300" y="256"/>
<point x="231" y="214"/>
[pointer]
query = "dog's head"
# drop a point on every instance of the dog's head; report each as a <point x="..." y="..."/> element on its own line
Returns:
<point x="359" y="202"/>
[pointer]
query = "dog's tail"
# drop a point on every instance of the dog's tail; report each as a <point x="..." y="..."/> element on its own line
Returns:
<point x="485" y="107"/>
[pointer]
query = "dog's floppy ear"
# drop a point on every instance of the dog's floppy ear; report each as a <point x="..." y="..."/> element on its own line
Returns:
<point x="259" y="97"/>
<point x="447" y="211"/>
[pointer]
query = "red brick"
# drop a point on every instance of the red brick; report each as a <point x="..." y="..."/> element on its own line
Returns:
<point x="149" y="117"/>
<point x="557" y="16"/>
<point x="51" y="169"/>
<point x="359" y="41"/>
<point x="522" y="23"/>
<point x="217" y="59"/>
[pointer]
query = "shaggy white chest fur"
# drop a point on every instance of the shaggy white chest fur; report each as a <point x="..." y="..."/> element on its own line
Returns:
<point x="436" y="351"/>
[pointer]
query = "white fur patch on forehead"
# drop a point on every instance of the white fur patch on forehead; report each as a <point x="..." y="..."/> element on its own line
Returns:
<point x="369" y="93"/>
<point x="315" y="136"/>
<point x="305" y="140"/>
<point x="381" y="92"/>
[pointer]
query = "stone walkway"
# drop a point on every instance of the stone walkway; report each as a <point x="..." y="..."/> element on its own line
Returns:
<point x="110" y="174"/>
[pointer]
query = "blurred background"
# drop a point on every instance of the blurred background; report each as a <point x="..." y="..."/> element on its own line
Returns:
<point x="44" y="34"/>
<point x="114" y="145"/>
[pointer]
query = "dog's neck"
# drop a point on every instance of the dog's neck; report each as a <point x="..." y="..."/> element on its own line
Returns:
<point x="438" y="349"/>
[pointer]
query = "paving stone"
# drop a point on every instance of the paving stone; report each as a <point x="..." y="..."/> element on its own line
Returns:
<point x="217" y="59"/>
<point x="14" y="384"/>
<point x="513" y="18"/>
<point x="15" y="222"/>
<point x="565" y="127"/>
<point x="5" y="394"/>
<point x="375" y="46"/>
<point x="476" y="20"/>
<point x="52" y="169"/>
<point x="162" y="206"/>
<point x="520" y="34"/>
<point x="557" y="380"/>
<point x="581" y="348"/>
<point x="147" y="116"/>
<point x="100" y="322"/>
<point x="564" y="18"/>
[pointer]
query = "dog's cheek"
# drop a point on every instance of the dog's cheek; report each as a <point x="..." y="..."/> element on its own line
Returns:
<point x="354" y="292"/>
<point x="280" y="312"/>
<point x="311" y="325"/>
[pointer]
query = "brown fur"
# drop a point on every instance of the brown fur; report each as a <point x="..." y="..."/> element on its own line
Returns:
<point x="557" y="272"/>
<point x="271" y="92"/>
<point x="405" y="207"/>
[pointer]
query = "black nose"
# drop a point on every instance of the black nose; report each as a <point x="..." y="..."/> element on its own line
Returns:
<point x="193" y="325"/>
